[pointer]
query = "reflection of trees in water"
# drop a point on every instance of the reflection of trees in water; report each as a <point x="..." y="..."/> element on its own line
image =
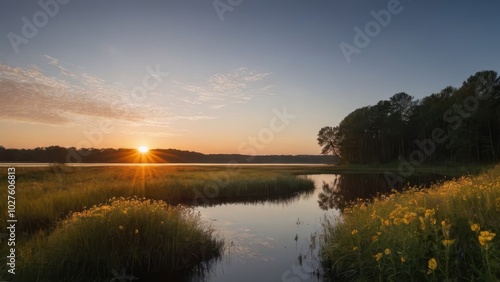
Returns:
<point x="350" y="187"/>
<point x="331" y="196"/>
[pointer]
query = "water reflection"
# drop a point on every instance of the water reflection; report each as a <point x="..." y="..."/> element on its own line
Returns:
<point x="348" y="188"/>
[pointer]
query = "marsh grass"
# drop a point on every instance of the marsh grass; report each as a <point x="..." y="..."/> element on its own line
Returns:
<point x="132" y="236"/>
<point x="105" y="223"/>
<point x="445" y="233"/>
<point x="46" y="196"/>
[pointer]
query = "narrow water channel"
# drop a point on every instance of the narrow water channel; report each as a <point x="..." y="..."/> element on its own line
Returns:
<point x="270" y="241"/>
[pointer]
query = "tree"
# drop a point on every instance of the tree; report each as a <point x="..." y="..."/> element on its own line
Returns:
<point x="328" y="139"/>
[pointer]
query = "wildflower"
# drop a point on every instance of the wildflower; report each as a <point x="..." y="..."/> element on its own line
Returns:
<point x="430" y="212"/>
<point x="474" y="227"/>
<point x="403" y="259"/>
<point x="387" y="223"/>
<point x="448" y="242"/>
<point x="120" y="227"/>
<point x="446" y="226"/>
<point x="422" y="223"/>
<point x="354" y="232"/>
<point x="378" y="256"/>
<point x="432" y="264"/>
<point x="136" y="231"/>
<point x="408" y="217"/>
<point x="397" y="221"/>
<point x="412" y="202"/>
<point x="485" y="238"/>
<point x="433" y="221"/>
<point x="387" y="251"/>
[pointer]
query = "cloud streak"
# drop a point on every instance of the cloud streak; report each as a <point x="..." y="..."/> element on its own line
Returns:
<point x="238" y="86"/>
<point x="68" y="97"/>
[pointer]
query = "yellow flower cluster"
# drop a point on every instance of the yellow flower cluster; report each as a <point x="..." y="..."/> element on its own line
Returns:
<point x="485" y="238"/>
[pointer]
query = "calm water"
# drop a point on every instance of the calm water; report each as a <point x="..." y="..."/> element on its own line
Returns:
<point x="267" y="239"/>
<point x="279" y="241"/>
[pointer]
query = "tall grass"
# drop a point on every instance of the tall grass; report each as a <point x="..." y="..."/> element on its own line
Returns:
<point x="445" y="233"/>
<point x="46" y="196"/>
<point x="127" y="237"/>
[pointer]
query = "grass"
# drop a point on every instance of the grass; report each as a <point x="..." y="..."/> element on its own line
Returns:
<point x="101" y="223"/>
<point x="48" y="196"/>
<point x="445" y="233"/>
<point x="132" y="237"/>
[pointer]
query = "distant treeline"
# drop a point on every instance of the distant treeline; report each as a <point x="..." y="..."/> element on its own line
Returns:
<point x="454" y="125"/>
<point x="57" y="154"/>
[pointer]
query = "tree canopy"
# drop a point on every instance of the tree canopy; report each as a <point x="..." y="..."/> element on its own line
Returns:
<point x="456" y="125"/>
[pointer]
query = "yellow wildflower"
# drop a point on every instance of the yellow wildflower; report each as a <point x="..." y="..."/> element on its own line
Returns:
<point x="354" y="232"/>
<point x="432" y="264"/>
<point x="387" y="223"/>
<point x="446" y="226"/>
<point x="408" y="217"/>
<point x="397" y="221"/>
<point x="378" y="256"/>
<point x="485" y="238"/>
<point x="430" y="212"/>
<point x="136" y="231"/>
<point x="403" y="259"/>
<point x="474" y="227"/>
<point x="448" y="242"/>
<point x="387" y="251"/>
<point x="422" y="223"/>
<point x="121" y="227"/>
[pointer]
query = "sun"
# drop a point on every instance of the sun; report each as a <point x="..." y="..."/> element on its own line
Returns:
<point x="143" y="149"/>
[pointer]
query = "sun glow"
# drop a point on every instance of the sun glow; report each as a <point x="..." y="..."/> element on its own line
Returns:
<point x="143" y="149"/>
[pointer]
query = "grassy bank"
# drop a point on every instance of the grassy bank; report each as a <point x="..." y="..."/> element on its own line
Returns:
<point x="444" y="233"/>
<point x="100" y="223"/>
<point x="124" y="238"/>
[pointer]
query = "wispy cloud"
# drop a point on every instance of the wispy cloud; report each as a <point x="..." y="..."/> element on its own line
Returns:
<point x="69" y="97"/>
<point x="61" y="94"/>
<point x="238" y="86"/>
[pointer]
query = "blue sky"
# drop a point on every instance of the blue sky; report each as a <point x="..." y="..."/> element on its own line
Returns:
<point x="215" y="80"/>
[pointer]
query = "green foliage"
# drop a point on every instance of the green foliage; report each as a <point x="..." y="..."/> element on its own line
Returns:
<point x="463" y="125"/>
<point x="125" y="235"/>
<point x="441" y="234"/>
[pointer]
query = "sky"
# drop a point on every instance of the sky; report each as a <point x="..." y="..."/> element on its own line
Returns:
<point x="224" y="76"/>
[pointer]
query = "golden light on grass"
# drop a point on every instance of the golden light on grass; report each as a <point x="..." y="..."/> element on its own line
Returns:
<point x="143" y="149"/>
